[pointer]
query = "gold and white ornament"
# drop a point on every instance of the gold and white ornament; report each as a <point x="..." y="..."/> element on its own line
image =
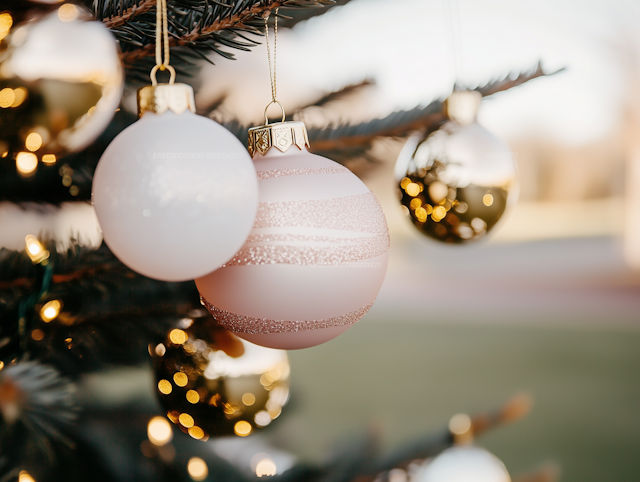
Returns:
<point x="458" y="182"/>
<point x="60" y="84"/>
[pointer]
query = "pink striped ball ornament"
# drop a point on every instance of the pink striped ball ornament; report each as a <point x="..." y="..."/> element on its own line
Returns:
<point x="316" y="257"/>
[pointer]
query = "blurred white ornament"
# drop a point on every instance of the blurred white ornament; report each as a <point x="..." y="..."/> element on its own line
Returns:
<point x="463" y="464"/>
<point x="175" y="193"/>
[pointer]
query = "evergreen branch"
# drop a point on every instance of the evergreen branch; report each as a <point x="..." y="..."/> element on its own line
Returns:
<point x="338" y="95"/>
<point x="403" y="123"/>
<point x="239" y="18"/>
<point x="127" y="15"/>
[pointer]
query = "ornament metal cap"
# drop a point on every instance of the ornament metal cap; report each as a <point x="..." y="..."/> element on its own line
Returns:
<point x="162" y="97"/>
<point x="462" y="106"/>
<point x="281" y="135"/>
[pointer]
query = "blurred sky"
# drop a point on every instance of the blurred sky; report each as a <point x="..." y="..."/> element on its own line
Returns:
<point x="406" y="46"/>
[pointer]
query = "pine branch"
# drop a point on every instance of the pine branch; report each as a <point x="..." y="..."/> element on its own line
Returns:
<point x="196" y="25"/>
<point x="137" y="9"/>
<point x="403" y="123"/>
<point x="341" y="143"/>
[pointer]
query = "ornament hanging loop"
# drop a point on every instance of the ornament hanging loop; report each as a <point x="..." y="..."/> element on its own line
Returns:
<point x="155" y="69"/>
<point x="272" y="71"/>
<point x="162" y="36"/>
<point x="266" y="118"/>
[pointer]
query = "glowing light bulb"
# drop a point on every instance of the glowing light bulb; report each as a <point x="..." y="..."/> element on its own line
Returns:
<point x="35" y="250"/>
<point x="50" y="310"/>
<point x="25" y="476"/>
<point x="159" y="431"/>
<point x="197" y="468"/>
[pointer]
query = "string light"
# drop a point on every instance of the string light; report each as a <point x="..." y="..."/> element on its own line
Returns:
<point x="50" y="310"/>
<point x="25" y="476"/>
<point x="35" y="250"/>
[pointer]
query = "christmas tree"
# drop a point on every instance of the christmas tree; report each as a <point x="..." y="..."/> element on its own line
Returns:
<point x="69" y="309"/>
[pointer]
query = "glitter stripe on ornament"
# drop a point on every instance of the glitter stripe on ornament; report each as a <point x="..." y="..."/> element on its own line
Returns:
<point x="350" y="250"/>
<point x="360" y="212"/>
<point x="301" y="172"/>
<point x="265" y="326"/>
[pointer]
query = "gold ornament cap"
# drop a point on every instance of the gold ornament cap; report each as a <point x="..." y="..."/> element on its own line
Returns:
<point x="162" y="97"/>
<point x="281" y="135"/>
<point x="462" y="106"/>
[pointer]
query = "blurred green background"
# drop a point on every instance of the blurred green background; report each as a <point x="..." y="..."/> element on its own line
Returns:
<point x="408" y="378"/>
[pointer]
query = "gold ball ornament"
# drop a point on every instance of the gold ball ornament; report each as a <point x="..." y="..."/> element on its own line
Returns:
<point x="61" y="82"/>
<point x="458" y="182"/>
<point x="211" y="383"/>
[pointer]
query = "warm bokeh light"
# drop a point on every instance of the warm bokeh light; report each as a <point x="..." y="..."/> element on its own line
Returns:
<point x="160" y="349"/>
<point x="262" y="418"/>
<point x="186" y="420"/>
<point x="25" y="476"/>
<point x="180" y="379"/>
<point x="178" y="336"/>
<point x="33" y="142"/>
<point x="68" y="12"/>
<point x="412" y="189"/>
<point x="460" y="424"/>
<point x="487" y="199"/>
<point x="196" y="432"/>
<point x="37" y="334"/>
<point x="7" y="97"/>
<point x="49" y="159"/>
<point x="6" y="21"/>
<point x="248" y="399"/>
<point x="242" y="428"/>
<point x="26" y="162"/>
<point x="19" y="95"/>
<point x="197" y="468"/>
<point x="35" y="250"/>
<point x="50" y="310"/>
<point x="159" y="431"/>
<point x="1" y="364"/>
<point x="192" y="396"/>
<point x="266" y="468"/>
<point x="165" y="387"/>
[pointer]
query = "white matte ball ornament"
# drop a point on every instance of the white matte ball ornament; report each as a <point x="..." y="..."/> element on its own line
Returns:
<point x="463" y="464"/>
<point x="175" y="193"/>
<point x="316" y="257"/>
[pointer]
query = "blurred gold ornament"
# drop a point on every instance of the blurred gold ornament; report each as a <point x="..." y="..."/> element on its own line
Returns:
<point x="60" y="83"/>
<point x="212" y="383"/>
<point x="458" y="181"/>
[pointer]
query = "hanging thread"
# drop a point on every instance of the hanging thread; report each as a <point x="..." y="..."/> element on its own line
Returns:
<point x="162" y="36"/>
<point x="453" y="19"/>
<point x="272" y="71"/>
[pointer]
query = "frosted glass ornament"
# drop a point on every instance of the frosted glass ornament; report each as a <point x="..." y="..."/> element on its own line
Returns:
<point x="463" y="464"/>
<point x="175" y="193"/>
<point x="316" y="257"/>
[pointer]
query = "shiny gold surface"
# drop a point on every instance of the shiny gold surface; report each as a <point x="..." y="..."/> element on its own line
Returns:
<point x="206" y="392"/>
<point x="162" y="97"/>
<point x="60" y="84"/>
<point x="456" y="183"/>
<point x="281" y="135"/>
